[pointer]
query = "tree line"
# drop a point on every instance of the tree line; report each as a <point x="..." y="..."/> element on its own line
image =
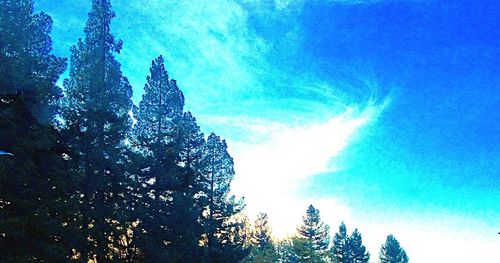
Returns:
<point x="87" y="176"/>
<point x="312" y="243"/>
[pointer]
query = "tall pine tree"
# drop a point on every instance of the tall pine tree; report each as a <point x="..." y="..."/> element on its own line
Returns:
<point x="392" y="252"/>
<point x="313" y="229"/>
<point x="188" y="198"/>
<point x="348" y="248"/>
<point x="156" y="136"/>
<point x="34" y="186"/>
<point x="339" y="252"/>
<point x="261" y="234"/>
<point x="261" y="244"/>
<point x="219" y="228"/>
<point x="357" y="249"/>
<point x="172" y="143"/>
<point x="96" y="121"/>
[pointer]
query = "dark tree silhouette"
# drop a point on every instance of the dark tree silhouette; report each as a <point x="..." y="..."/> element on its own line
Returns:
<point x="155" y="136"/>
<point x="34" y="187"/>
<point x="96" y="122"/>
<point x="218" y="171"/>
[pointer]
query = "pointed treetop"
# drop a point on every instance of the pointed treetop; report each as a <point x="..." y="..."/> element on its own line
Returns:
<point x="261" y="236"/>
<point x="392" y="252"/>
<point x="339" y="252"/>
<point x="358" y="250"/>
<point x="313" y="229"/>
<point x="97" y="28"/>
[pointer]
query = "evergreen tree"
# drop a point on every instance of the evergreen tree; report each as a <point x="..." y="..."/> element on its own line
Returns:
<point x="340" y="250"/>
<point x="261" y="234"/>
<point x="298" y="250"/>
<point x="358" y="251"/>
<point x="233" y="237"/>
<point x="34" y="186"/>
<point x="28" y="69"/>
<point x="187" y="199"/>
<point x="261" y="246"/>
<point x="218" y="171"/>
<point x="173" y="145"/>
<point x="392" y="252"/>
<point x="156" y="136"/>
<point x="96" y="121"/>
<point x="313" y="229"/>
<point x="348" y="249"/>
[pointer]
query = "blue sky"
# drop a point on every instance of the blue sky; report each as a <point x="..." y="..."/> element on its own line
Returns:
<point x="384" y="114"/>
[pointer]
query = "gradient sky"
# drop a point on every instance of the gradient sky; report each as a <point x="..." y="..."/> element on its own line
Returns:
<point x="384" y="114"/>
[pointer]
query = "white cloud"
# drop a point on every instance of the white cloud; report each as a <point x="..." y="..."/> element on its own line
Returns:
<point x="206" y="45"/>
<point x="273" y="160"/>
<point x="431" y="239"/>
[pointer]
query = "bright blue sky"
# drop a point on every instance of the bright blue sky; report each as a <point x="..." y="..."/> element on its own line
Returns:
<point x="402" y="99"/>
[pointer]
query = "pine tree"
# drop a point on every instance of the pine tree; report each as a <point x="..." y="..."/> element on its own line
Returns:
<point x="298" y="250"/>
<point x="348" y="249"/>
<point x="233" y="237"/>
<point x="156" y="136"/>
<point x="340" y="250"/>
<point x="261" y="246"/>
<point x="392" y="252"/>
<point x="187" y="199"/>
<point x="313" y="229"/>
<point x="358" y="251"/>
<point x="218" y="170"/>
<point x="34" y="186"/>
<point x="261" y="234"/>
<point x="96" y="121"/>
<point x="28" y="69"/>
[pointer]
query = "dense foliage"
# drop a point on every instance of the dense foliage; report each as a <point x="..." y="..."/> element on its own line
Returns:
<point x="86" y="176"/>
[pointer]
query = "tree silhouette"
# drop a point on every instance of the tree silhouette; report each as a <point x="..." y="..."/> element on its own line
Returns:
<point x="392" y="252"/>
<point x="314" y="230"/>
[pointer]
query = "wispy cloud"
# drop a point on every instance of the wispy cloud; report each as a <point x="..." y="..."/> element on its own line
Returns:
<point x="284" y="4"/>
<point x="206" y="45"/>
<point x="274" y="160"/>
<point x="214" y="51"/>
